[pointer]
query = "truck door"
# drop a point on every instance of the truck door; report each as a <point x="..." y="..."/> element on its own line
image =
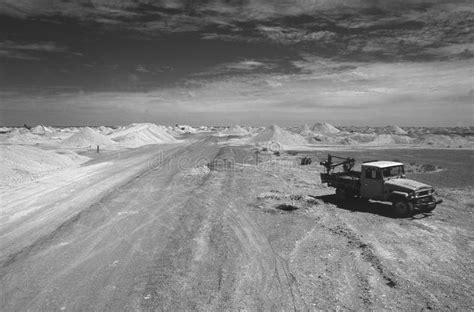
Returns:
<point x="371" y="183"/>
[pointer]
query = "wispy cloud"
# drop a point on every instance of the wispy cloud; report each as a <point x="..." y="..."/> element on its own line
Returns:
<point x="39" y="46"/>
<point x="28" y="51"/>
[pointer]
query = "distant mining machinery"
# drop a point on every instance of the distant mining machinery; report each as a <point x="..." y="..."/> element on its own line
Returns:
<point x="347" y="163"/>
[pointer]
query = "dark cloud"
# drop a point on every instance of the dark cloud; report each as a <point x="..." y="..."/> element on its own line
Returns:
<point x="141" y="45"/>
<point x="363" y="35"/>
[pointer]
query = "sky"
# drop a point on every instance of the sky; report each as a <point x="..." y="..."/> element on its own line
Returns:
<point x="249" y="62"/>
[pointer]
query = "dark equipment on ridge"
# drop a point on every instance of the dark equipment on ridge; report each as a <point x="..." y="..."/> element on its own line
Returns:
<point x="306" y="161"/>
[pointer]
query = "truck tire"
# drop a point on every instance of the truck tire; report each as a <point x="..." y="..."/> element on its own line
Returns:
<point x="430" y="209"/>
<point x="403" y="208"/>
<point x="341" y="195"/>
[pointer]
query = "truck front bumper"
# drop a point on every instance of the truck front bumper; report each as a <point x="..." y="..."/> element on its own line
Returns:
<point x="426" y="202"/>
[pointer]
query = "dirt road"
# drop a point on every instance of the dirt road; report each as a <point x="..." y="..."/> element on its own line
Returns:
<point x="165" y="240"/>
<point x="173" y="238"/>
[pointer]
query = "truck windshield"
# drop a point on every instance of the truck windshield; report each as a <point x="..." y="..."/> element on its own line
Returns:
<point x="395" y="171"/>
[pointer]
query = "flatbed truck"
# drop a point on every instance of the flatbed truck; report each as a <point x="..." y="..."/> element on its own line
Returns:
<point x="379" y="180"/>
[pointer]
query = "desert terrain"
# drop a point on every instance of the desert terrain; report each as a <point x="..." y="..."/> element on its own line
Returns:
<point x="154" y="218"/>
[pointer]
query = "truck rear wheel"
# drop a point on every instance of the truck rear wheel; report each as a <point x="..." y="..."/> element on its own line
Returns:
<point x="341" y="195"/>
<point x="403" y="208"/>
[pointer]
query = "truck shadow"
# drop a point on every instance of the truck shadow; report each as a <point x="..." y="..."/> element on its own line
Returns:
<point x="378" y="208"/>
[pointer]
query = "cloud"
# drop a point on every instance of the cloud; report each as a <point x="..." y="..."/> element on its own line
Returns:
<point x="348" y="30"/>
<point x="141" y="69"/>
<point x="374" y="94"/>
<point x="39" y="46"/>
<point x="232" y="68"/>
<point x="28" y="51"/>
<point x="413" y="92"/>
<point x="17" y="55"/>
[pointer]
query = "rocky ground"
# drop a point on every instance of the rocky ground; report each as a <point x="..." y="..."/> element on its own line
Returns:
<point x="157" y="228"/>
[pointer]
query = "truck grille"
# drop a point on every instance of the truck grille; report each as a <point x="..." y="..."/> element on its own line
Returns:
<point x="423" y="193"/>
<point x="424" y="200"/>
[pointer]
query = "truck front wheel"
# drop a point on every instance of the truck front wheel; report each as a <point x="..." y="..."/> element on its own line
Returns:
<point x="430" y="209"/>
<point x="403" y="208"/>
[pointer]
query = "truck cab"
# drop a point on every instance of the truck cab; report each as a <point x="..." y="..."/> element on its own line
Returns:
<point x="378" y="180"/>
<point x="386" y="181"/>
<point x="375" y="174"/>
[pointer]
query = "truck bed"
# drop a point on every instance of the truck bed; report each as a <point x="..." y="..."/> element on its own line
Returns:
<point x="348" y="180"/>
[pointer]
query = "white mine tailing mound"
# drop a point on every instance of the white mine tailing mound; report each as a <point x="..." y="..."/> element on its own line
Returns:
<point x="87" y="137"/>
<point x="21" y="136"/>
<point x="236" y="130"/>
<point x="140" y="134"/>
<point x="21" y="162"/>
<point x="306" y="131"/>
<point x="396" y="130"/>
<point x="39" y="129"/>
<point x="325" y="128"/>
<point x="187" y="129"/>
<point x="388" y="139"/>
<point x="277" y="135"/>
<point x="362" y="137"/>
<point x="175" y="131"/>
<point x="105" y="130"/>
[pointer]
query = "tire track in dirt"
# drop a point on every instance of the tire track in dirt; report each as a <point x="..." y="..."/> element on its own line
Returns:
<point x="219" y="259"/>
<point x="356" y="244"/>
<point x="275" y="286"/>
<point x="347" y="273"/>
<point x="366" y="251"/>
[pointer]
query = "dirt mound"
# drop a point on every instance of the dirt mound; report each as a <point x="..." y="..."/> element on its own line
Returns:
<point x="273" y="201"/>
<point x="395" y="130"/>
<point x="346" y="141"/>
<point x="87" y="137"/>
<point x="362" y="137"/>
<point x="23" y="162"/>
<point x="139" y="134"/>
<point x="324" y="128"/>
<point x="39" y="129"/>
<point x="275" y="134"/>
<point x="305" y="131"/>
<point x="187" y="129"/>
<point x="105" y="130"/>
<point x="21" y="136"/>
<point x="175" y="131"/>
<point x="387" y="139"/>
<point x="236" y="130"/>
